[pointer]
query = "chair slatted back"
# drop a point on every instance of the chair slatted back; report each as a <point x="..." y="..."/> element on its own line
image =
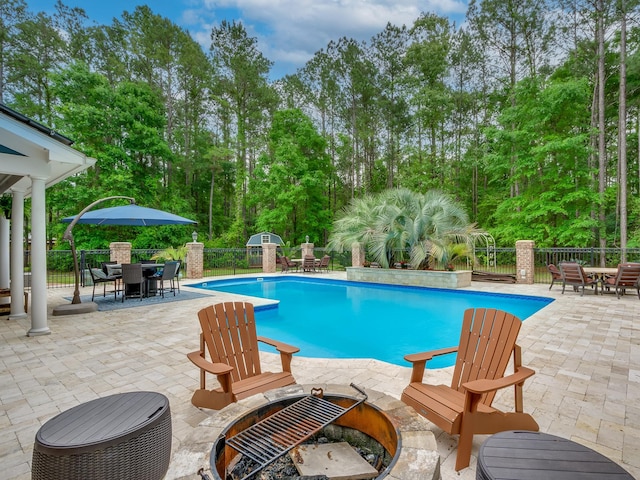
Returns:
<point x="487" y="340"/>
<point x="309" y="262"/>
<point x="324" y="261"/>
<point x="229" y="331"/>
<point x="555" y="272"/>
<point x="572" y="272"/>
<point x="628" y="274"/>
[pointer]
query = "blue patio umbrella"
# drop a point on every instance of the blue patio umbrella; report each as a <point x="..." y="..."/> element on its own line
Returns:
<point x="130" y="215"/>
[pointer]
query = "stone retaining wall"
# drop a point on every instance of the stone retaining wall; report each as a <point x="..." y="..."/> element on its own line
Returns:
<point x="416" y="278"/>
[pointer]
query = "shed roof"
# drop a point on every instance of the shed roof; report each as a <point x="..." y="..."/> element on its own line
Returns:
<point x="259" y="238"/>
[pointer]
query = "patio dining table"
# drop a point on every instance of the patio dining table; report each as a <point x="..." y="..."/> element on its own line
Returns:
<point x="148" y="269"/>
<point x="600" y="272"/>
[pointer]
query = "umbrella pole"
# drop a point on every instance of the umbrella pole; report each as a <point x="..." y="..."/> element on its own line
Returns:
<point x="69" y="236"/>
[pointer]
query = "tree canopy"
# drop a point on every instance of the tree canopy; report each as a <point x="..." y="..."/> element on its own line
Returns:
<point x="529" y="121"/>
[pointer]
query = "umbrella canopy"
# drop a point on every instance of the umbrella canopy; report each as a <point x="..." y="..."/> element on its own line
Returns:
<point x="130" y="215"/>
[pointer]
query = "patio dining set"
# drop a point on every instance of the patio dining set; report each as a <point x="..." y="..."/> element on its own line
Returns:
<point x="309" y="263"/>
<point x="144" y="279"/>
<point x="626" y="276"/>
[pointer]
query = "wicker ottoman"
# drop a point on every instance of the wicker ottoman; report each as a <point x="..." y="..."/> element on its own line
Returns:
<point x="123" y="436"/>
<point x="516" y="455"/>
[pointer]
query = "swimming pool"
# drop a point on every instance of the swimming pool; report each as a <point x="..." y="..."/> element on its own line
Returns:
<point x="342" y="319"/>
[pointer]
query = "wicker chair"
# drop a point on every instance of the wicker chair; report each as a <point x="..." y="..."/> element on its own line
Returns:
<point x="132" y="276"/>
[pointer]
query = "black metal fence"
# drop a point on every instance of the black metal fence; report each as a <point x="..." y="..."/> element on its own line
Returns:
<point x="217" y="262"/>
<point x="237" y="261"/>
<point x="504" y="259"/>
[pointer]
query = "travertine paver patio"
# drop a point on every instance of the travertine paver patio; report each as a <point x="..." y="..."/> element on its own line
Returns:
<point x="586" y="351"/>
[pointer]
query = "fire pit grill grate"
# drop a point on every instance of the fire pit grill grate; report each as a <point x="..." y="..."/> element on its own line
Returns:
<point x="269" y="439"/>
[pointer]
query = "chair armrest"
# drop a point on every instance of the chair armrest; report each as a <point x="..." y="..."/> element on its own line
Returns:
<point x="204" y="364"/>
<point x="426" y="356"/>
<point x="281" y="347"/>
<point x="286" y="352"/>
<point x="420" y="360"/>
<point x="485" y="385"/>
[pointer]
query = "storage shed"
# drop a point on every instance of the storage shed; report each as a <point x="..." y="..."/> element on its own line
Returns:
<point x="254" y="246"/>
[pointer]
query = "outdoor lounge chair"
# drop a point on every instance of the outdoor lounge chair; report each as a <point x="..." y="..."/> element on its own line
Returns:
<point x="555" y="274"/>
<point x="487" y="341"/>
<point x="573" y="274"/>
<point x="628" y="276"/>
<point x="324" y="263"/>
<point x="229" y="336"/>
<point x="132" y="281"/>
<point x="98" y="276"/>
<point x="167" y="275"/>
<point x="309" y="263"/>
<point x="286" y="264"/>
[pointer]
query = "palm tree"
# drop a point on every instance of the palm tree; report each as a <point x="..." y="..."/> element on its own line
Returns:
<point x="399" y="224"/>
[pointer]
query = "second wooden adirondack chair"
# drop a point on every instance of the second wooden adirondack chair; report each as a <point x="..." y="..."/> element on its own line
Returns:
<point x="229" y="337"/>
<point x="487" y="341"/>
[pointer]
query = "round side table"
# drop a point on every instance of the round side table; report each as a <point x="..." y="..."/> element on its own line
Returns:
<point x="518" y="455"/>
<point x="123" y="436"/>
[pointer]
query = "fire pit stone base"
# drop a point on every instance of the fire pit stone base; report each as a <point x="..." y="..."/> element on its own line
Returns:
<point x="418" y="459"/>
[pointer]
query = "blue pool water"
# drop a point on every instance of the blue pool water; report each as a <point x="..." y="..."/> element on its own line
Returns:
<point x="338" y="319"/>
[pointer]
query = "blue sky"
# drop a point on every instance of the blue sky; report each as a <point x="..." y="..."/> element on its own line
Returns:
<point x="289" y="32"/>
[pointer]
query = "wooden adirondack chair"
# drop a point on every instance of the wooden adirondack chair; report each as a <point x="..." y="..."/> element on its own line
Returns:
<point x="487" y="341"/>
<point x="229" y="336"/>
<point x="573" y="274"/>
<point x="627" y="276"/>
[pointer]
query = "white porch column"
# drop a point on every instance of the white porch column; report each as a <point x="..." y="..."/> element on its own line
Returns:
<point x="4" y="251"/>
<point x="39" y="324"/>
<point x="17" y="255"/>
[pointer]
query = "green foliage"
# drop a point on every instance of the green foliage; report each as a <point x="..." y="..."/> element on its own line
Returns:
<point x="541" y="148"/>
<point x="487" y="113"/>
<point x="171" y="253"/>
<point x="288" y="187"/>
<point x="400" y="224"/>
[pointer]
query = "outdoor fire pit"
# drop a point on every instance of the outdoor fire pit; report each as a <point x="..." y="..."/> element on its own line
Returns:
<point x="295" y="431"/>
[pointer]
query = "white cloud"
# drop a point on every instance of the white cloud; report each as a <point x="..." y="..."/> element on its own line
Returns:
<point x="289" y="32"/>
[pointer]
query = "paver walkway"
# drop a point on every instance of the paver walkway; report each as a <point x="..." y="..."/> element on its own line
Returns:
<point x="585" y="350"/>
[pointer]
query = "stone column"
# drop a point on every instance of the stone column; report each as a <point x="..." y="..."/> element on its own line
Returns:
<point x="307" y="249"/>
<point x="17" y="255"/>
<point x="195" y="260"/>
<point x="269" y="257"/>
<point x="120" y="252"/>
<point x="39" y="324"/>
<point x="5" y="242"/>
<point x="525" y="261"/>
<point x="357" y="255"/>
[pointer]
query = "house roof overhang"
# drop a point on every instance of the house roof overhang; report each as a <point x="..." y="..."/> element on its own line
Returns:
<point x="29" y="149"/>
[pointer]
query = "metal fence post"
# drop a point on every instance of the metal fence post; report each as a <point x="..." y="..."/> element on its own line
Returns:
<point x="83" y="264"/>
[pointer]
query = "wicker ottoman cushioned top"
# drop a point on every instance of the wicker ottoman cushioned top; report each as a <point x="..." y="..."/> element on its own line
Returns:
<point x="521" y="455"/>
<point x="124" y="436"/>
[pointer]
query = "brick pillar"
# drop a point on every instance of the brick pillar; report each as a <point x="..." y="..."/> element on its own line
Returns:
<point x="525" y="265"/>
<point x="307" y="249"/>
<point x="120" y="252"/>
<point x="357" y="255"/>
<point x="195" y="260"/>
<point x="269" y="257"/>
